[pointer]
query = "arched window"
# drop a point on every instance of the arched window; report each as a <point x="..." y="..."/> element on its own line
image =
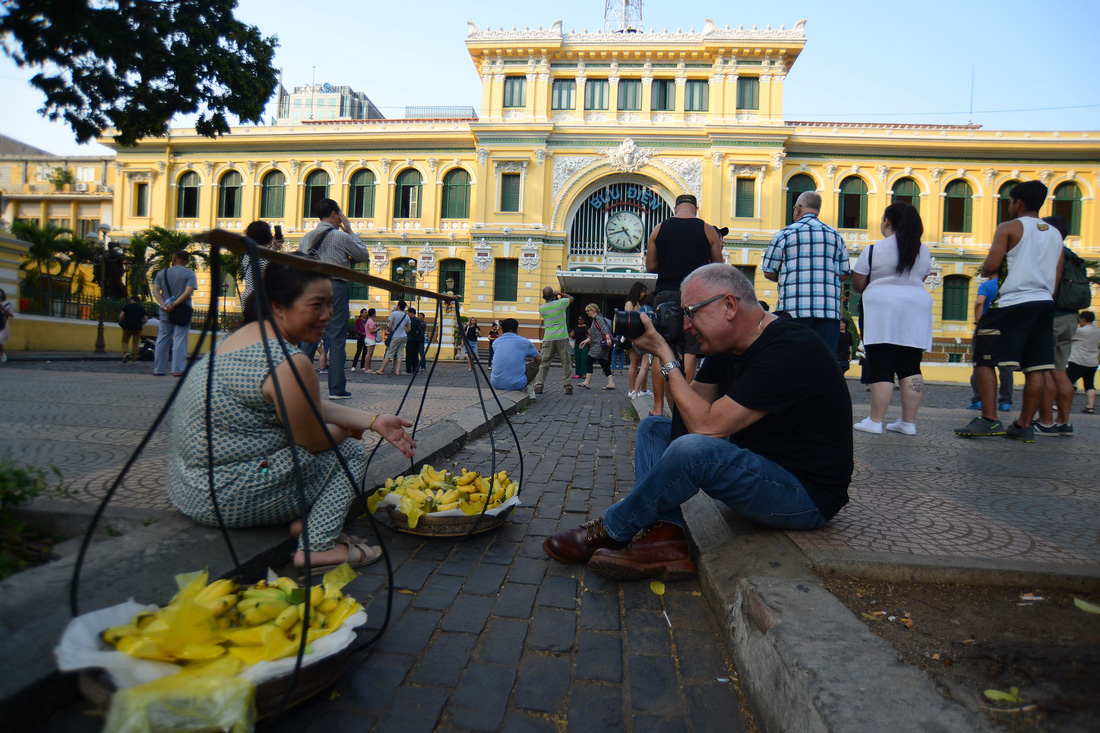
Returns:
<point x="361" y="196"/>
<point x="907" y="190"/>
<point x="272" y="191"/>
<point x="1003" y="199"/>
<point x="1067" y="203"/>
<point x="316" y="189"/>
<point x="853" y="204"/>
<point x="456" y="195"/>
<point x="455" y="271"/>
<point x="229" y="196"/>
<point x="406" y="201"/>
<point x="956" y="206"/>
<point x="796" y="185"/>
<point x="187" y="204"/>
<point x="956" y="298"/>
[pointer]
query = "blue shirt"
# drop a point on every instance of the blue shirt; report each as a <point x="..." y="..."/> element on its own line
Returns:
<point x="811" y="259"/>
<point x="988" y="290"/>
<point x="510" y="353"/>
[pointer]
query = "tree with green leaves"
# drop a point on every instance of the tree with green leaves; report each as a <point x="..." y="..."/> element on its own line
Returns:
<point x="162" y="243"/>
<point x="135" y="64"/>
<point x="79" y="252"/>
<point x="47" y="245"/>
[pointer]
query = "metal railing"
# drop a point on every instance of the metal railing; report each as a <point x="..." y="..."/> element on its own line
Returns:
<point x="37" y="299"/>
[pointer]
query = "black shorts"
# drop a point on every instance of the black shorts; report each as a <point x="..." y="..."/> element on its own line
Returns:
<point x="1084" y="373"/>
<point x="886" y="360"/>
<point x="688" y="344"/>
<point x="1018" y="336"/>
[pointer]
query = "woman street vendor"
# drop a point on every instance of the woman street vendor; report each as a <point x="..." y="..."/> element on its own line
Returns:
<point x="253" y="461"/>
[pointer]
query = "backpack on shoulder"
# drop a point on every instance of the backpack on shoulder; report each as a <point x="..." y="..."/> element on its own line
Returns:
<point x="1074" y="292"/>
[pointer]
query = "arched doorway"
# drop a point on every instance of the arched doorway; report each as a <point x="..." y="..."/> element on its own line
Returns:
<point x="608" y="234"/>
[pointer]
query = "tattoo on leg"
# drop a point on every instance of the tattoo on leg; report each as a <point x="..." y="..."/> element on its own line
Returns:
<point x="916" y="384"/>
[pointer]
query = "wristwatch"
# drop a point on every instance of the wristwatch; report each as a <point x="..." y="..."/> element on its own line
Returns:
<point x="667" y="368"/>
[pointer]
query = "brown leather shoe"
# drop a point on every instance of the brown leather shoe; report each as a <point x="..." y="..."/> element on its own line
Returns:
<point x="569" y="389"/>
<point x="661" y="552"/>
<point x="538" y="389"/>
<point x="577" y="545"/>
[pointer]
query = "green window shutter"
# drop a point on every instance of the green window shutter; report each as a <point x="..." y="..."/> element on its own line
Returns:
<point x="456" y="195"/>
<point x="506" y="280"/>
<point x="515" y="91"/>
<point x="853" y="204"/>
<point x="141" y="199"/>
<point x="271" y="195"/>
<point x="696" y="96"/>
<point x="1067" y="203"/>
<point x="745" y="205"/>
<point x="748" y="92"/>
<point x="956" y="298"/>
<point x="662" y="95"/>
<point x="509" y="191"/>
<point x="957" y="207"/>
<point x="595" y="94"/>
<point x="361" y="195"/>
<point x="359" y="291"/>
<point x="630" y="94"/>
<point x="563" y="94"/>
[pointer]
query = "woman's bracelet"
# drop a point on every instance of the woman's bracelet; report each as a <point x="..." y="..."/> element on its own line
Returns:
<point x="376" y="416"/>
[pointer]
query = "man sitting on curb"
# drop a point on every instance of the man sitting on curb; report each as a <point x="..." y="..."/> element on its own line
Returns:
<point x="515" y="360"/>
<point x="766" y="418"/>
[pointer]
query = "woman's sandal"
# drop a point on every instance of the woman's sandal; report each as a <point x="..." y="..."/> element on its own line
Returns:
<point x="1089" y="411"/>
<point x="584" y="386"/>
<point x="359" y="554"/>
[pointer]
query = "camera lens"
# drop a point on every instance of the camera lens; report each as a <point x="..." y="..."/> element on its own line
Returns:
<point x="627" y="323"/>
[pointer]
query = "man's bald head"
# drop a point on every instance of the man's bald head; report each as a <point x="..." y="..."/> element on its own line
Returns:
<point x="809" y="201"/>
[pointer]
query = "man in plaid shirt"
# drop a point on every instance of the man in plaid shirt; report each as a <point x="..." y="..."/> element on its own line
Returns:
<point x="809" y="260"/>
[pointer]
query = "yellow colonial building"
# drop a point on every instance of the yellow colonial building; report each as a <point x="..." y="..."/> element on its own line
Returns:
<point x="582" y="144"/>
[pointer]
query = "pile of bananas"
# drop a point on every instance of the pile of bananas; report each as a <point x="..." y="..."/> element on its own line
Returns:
<point x="262" y="622"/>
<point x="433" y="491"/>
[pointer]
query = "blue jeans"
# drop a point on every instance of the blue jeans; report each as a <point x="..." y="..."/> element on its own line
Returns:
<point x="669" y="473"/>
<point x="177" y="335"/>
<point x="827" y="328"/>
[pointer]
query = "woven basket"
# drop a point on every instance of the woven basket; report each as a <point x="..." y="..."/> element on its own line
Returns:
<point x="430" y="525"/>
<point x="313" y="678"/>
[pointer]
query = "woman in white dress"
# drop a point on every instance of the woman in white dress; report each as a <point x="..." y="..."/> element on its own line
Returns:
<point x="897" y="316"/>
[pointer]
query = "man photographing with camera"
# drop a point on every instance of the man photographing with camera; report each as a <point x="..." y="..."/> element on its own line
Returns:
<point x="768" y="419"/>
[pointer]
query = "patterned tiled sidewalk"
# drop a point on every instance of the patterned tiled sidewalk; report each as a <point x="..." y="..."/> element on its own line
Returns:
<point x="935" y="495"/>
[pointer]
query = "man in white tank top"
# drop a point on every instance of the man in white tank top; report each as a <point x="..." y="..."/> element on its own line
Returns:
<point x="1026" y="256"/>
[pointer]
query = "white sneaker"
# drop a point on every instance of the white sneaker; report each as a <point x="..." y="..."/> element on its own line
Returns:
<point x="900" y="426"/>
<point x="647" y="393"/>
<point x="631" y="394"/>
<point x="867" y="425"/>
<point x="353" y="369"/>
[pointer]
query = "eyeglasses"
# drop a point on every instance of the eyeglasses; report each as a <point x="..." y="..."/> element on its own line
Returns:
<point x="691" y="310"/>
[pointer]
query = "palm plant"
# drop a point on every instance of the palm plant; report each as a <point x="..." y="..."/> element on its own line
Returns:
<point x="47" y="243"/>
<point x="137" y="254"/>
<point x="163" y="242"/>
<point x="81" y="252"/>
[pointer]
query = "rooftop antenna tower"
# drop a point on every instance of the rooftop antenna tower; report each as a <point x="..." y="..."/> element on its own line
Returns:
<point x="622" y="16"/>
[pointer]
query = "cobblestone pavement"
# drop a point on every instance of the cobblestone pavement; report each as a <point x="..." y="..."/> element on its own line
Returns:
<point x="486" y="634"/>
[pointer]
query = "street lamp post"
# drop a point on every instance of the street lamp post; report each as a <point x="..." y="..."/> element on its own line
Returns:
<point x="225" y="291"/>
<point x="100" y="343"/>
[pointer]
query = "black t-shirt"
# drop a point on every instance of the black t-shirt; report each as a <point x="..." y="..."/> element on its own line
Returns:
<point x="789" y="373"/>
<point x="132" y="313"/>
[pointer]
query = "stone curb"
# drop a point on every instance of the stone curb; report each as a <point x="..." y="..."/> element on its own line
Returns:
<point x="142" y="563"/>
<point x="805" y="661"/>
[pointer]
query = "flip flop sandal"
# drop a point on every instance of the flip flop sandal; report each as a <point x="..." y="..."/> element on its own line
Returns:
<point x="609" y="388"/>
<point x="584" y="386"/>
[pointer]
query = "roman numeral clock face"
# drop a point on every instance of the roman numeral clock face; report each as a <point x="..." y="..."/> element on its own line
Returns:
<point x="623" y="231"/>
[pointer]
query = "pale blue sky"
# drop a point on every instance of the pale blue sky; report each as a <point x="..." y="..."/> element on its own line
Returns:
<point x="863" y="61"/>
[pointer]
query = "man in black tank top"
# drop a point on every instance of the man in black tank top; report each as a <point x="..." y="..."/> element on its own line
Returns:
<point x="677" y="246"/>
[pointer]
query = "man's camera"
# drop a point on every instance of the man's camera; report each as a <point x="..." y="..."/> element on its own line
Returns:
<point x="668" y="320"/>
